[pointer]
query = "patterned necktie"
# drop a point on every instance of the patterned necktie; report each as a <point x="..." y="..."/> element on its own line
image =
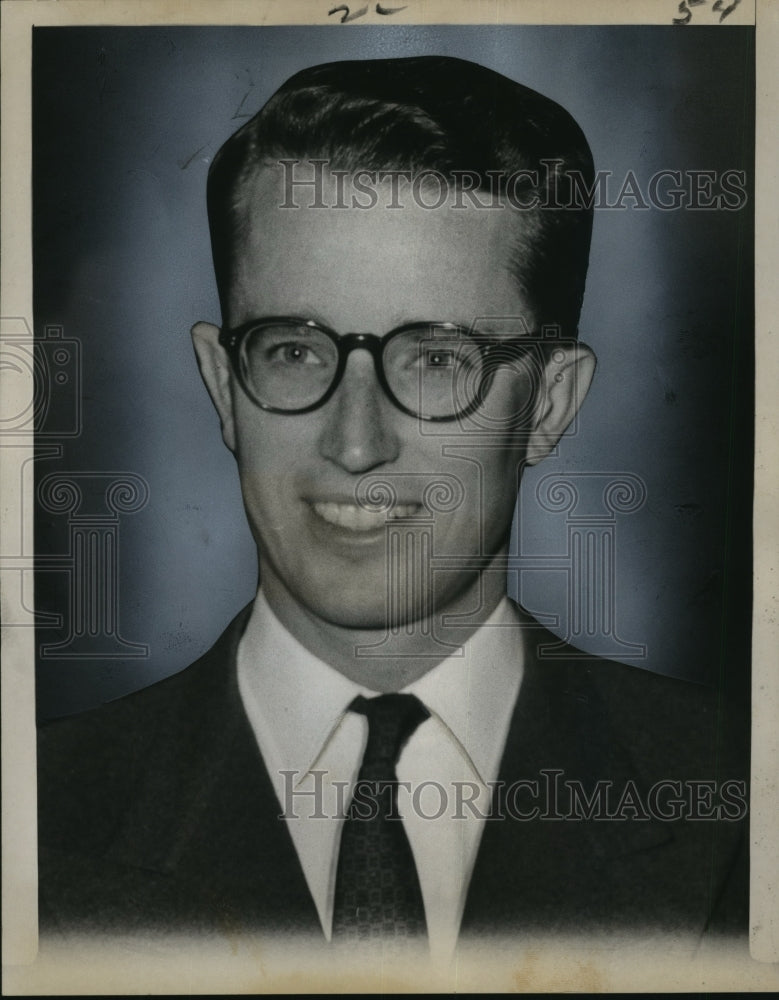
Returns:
<point x="377" y="892"/>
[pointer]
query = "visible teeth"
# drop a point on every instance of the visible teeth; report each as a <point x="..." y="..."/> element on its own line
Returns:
<point x="404" y="510"/>
<point x="349" y="515"/>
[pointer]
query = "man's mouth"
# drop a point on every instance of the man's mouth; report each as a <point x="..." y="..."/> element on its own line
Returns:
<point x="355" y="518"/>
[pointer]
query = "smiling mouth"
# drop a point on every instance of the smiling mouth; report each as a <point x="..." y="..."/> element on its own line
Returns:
<point x="354" y="518"/>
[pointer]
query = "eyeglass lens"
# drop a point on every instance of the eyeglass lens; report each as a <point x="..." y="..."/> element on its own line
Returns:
<point x="432" y="371"/>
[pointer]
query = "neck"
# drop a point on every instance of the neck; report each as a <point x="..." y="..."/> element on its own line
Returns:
<point x="384" y="659"/>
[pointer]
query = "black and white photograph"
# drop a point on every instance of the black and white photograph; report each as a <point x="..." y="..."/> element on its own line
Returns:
<point x="381" y="572"/>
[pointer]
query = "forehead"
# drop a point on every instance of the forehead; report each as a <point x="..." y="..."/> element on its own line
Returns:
<point x="370" y="268"/>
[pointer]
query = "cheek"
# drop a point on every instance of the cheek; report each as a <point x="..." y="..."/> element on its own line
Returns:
<point x="486" y="479"/>
<point x="268" y="516"/>
<point x="270" y="443"/>
<point x="269" y="454"/>
<point x="499" y="487"/>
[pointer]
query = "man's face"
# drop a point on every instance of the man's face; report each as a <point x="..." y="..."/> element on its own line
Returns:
<point x="357" y="270"/>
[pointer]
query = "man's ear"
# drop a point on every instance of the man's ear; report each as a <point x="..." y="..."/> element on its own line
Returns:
<point x="215" y="368"/>
<point x="567" y="375"/>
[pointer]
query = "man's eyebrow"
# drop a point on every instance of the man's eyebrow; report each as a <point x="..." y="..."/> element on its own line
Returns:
<point x="303" y="312"/>
<point x="308" y="312"/>
<point x="477" y="325"/>
<point x="407" y="320"/>
<point x="396" y="321"/>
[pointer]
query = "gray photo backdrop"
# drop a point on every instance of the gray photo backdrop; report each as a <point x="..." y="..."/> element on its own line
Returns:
<point x="126" y="122"/>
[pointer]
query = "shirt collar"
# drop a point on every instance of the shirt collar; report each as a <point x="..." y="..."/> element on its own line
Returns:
<point x="468" y="690"/>
<point x="302" y="700"/>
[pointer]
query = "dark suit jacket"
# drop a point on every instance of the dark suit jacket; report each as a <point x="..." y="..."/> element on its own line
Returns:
<point x="156" y="811"/>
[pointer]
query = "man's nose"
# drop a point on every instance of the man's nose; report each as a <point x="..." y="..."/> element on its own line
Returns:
<point x="359" y="432"/>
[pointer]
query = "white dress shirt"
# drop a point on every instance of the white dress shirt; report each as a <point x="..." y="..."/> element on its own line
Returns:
<point x="298" y="709"/>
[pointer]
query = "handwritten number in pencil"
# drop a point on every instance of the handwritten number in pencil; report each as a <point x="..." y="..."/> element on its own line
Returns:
<point x="346" y="15"/>
<point x="685" y="5"/>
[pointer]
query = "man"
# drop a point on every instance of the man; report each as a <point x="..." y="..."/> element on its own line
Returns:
<point x="377" y="749"/>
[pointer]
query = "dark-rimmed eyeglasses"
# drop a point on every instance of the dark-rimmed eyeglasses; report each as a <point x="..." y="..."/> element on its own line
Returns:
<point x="432" y="371"/>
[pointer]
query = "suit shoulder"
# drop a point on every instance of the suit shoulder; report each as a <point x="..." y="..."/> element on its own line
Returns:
<point x="637" y="688"/>
<point x="686" y="725"/>
<point x="130" y="718"/>
<point x="91" y="765"/>
<point x="136" y="717"/>
<point x="666" y="722"/>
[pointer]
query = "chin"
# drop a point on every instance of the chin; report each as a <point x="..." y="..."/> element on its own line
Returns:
<point x="365" y="610"/>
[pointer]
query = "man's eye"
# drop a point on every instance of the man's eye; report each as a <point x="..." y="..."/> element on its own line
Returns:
<point x="440" y="358"/>
<point x="293" y="353"/>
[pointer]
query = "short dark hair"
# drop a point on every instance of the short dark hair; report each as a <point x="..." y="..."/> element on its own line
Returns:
<point x="427" y="113"/>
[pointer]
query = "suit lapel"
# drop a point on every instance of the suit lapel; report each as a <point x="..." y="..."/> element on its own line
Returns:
<point x="548" y="871"/>
<point x="203" y="822"/>
<point x="206" y="814"/>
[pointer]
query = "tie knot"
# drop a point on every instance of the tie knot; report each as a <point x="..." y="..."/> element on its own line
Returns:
<point x="392" y="718"/>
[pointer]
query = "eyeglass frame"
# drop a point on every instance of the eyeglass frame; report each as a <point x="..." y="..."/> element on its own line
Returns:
<point x="231" y="340"/>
